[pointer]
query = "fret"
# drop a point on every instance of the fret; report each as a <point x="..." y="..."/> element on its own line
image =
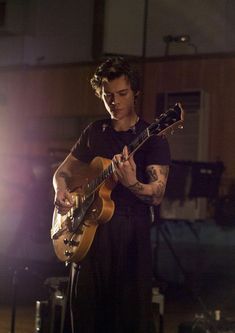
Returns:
<point x="98" y="181"/>
<point x="138" y="142"/>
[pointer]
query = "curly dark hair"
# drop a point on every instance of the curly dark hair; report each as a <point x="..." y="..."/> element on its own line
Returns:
<point x="112" y="69"/>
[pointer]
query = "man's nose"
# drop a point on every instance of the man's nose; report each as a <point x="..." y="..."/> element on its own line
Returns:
<point x="114" y="100"/>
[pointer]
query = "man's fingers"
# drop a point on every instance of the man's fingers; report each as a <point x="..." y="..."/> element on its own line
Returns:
<point x="125" y="153"/>
<point x="117" y="160"/>
<point x="62" y="211"/>
<point x="66" y="201"/>
<point x="132" y="162"/>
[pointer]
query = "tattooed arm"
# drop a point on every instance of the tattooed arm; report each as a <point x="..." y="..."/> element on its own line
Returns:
<point x="152" y="192"/>
<point x="61" y="179"/>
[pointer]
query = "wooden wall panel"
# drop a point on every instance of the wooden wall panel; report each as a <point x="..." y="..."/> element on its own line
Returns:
<point x="60" y="92"/>
<point x="38" y="93"/>
<point x="65" y="92"/>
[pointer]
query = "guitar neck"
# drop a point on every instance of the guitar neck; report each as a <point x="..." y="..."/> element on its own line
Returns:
<point x="137" y="143"/>
<point x="98" y="181"/>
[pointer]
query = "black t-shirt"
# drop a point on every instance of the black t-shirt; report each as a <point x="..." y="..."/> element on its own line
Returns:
<point x="100" y="139"/>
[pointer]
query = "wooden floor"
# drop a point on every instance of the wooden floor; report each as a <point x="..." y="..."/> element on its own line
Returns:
<point x="176" y="311"/>
<point x="174" y="316"/>
<point x="180" y="307"/>
<point x="25" y="319"/>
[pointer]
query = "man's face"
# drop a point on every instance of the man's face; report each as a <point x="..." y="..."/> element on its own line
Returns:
<point x="118" y="97"/>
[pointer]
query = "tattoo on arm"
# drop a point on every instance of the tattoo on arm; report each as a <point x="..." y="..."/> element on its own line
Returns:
<point x="152" y="173"/>
<point x="136" y="188"/>
<point x="159" y="191"/>
<point x="158" y="177"/>
<point x="157" y="195"/>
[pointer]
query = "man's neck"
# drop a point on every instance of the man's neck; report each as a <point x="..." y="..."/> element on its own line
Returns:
<point x="125" y="124"/>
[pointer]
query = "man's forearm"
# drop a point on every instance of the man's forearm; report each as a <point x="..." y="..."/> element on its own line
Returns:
<point x="60" y="180"/>
<point x="149" y="193"/>
<point x="153" y="192"/>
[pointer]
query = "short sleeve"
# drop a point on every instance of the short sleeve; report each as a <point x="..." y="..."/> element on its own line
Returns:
<point x="158" y="151"/>
<point x="81" y="150"/>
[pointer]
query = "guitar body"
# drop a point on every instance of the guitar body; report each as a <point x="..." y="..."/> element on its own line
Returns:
<point x="72" y="244"/>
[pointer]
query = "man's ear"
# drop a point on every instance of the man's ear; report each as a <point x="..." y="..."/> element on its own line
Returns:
<point x="136" y="96"/>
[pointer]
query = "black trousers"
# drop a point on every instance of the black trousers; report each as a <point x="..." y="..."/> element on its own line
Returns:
<point x="111" y="290"/>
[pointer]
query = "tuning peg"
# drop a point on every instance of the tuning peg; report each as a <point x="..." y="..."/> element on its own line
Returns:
<point x="180" y="126"/>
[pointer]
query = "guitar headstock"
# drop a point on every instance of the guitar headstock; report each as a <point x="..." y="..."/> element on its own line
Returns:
<point x="168" y="121"/>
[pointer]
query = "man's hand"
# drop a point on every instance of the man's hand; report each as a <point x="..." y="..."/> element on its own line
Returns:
<point x="63" y="201"/>
<point x="125" y="168"/>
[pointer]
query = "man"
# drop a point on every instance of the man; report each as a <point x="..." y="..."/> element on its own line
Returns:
<point x="112" y="292"/>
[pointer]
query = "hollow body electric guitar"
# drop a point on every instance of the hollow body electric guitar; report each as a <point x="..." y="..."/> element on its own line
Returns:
<point x="72" y="234"/>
